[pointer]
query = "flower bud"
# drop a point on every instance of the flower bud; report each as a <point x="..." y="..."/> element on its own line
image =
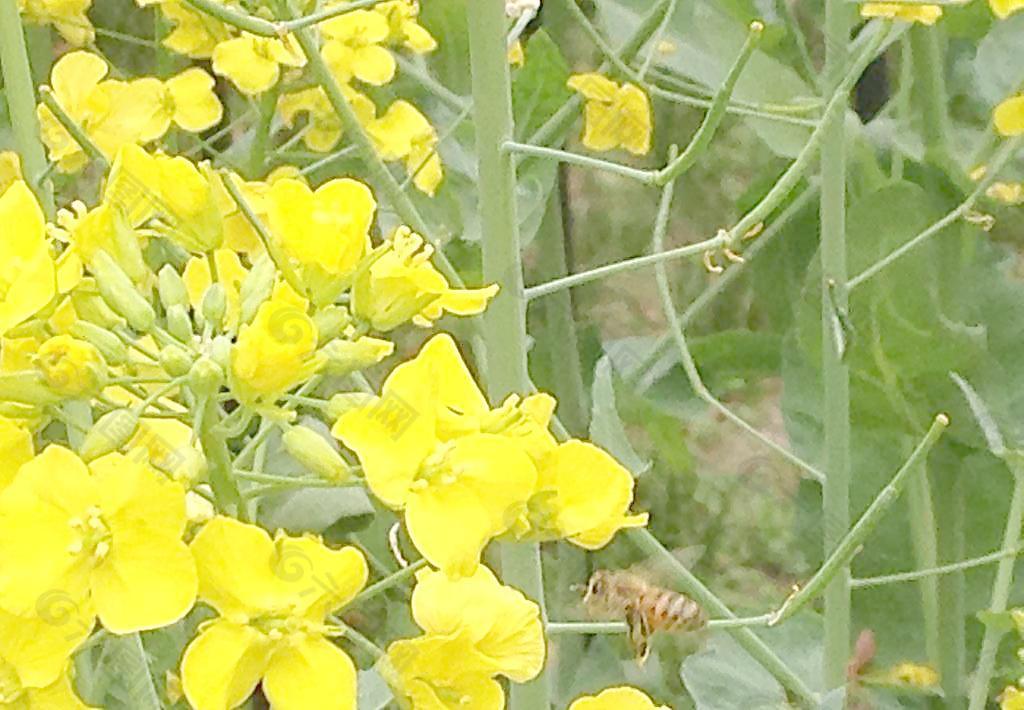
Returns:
<point x="347" y="356"/>
<point x="215" y="305"/>
<point x="178" y="323"/>
<point x="90" y="306"/>
<point x="172" y="288"/>
<point x="120" y="293"/>
<point x="256" y="288"/>
<point x="71" y="367"/>
<point x="110" y="346"/>
<point x="331" y="321"/>
<point x="315" y="453"/>
<point x="206" y="377"/>
<point x="110" y="432"/>
<point x="175" y="361"/>
<point x="26" y="388"/>
<point x="220" y="351"/>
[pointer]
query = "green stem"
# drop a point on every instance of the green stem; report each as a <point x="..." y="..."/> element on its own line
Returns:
<point x="218" y="458"/>
<point x="900" y="577"/>
<point x="929" y="89"/>
<point x="392" y="580"/>
<point x="72" y="127"/>
<point x="847" y="548"/>
<point x="618" y="267"/>
<point x="713" y="118"/>
<point x="326" y="14"/>
<point x="836" y="398"/>
<point x="1000" y="590"/>
<point x="926" y="555"/>
<point x="261" y="137"/>
<point x="645" y="176"/>
<point x="747" y="639"/>
<point x="949" y="494"/>
<point x="504" y="322"/>
<point x="422" y="77"/>
<point x="1003" y="156"/>
<point x="254" y="25"/>
<point x="21" y="103"/>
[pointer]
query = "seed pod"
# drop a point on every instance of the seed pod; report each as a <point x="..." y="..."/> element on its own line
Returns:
<point x="175" y="361"/>
<point x="215" y="305"/>
<point x="110" y="432"/>
<point x="173" y="291"/>
<point x="110" y="346"/>
<point x="179" y="324"/>
<point x="206" y="377"/>
<point x="120" y="293"/>
<point x="315" y="453"/>
<point x="256" y="288"/>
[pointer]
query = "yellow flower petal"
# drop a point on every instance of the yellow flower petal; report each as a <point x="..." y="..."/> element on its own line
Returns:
<point x="15" y="449"/>
<point x="1004" y="8"/>
<point x="923" y="14"/>
<point x="28" y="278"/>
<point x="196" y="106"/>
<point x="38" y="646"/>
<point x="222" y="666"/>
<point x="619" y="698"/>
<point x="313" y="673"/>
<point x="251" y="70"/>
<point x="235" y="566"/>
<point x="594" y="86"/>
<point x="322" y="578"/>
<point x="374" y="65"/>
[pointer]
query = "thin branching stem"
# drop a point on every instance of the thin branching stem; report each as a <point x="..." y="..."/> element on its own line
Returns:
<point x="843" y="553"/>
<point x="72" y="127"/>
<point x="646" y="177"/>
<point x="900" y="577"/>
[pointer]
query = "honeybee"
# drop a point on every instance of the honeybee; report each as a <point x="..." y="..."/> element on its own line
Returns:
<point x="646" y="608"/>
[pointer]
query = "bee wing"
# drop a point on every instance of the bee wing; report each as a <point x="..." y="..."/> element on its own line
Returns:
<point x="658" y="570"/>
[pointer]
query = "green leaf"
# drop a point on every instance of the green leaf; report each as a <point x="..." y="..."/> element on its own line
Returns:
<point x="1000" y="621"/>
<point x="998" y="69"/>
<point x="374" y="693"/>
<point x="126" y="668"/>
<point x="606" y="429"/>
<point x="723" y="676"/>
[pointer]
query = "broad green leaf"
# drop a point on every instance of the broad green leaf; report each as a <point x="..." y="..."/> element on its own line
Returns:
<point x="374" y="693"/>
<point x="998" y="69"/>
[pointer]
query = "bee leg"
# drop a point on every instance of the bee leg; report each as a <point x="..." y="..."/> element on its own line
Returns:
<point x="639" y="634"/>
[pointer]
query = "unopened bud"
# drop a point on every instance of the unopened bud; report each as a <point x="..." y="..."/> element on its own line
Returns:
<point x="173" y="291"/>
<point x="206" y="377"/>
<point x="175" y="361"/>
<point x="179" y="324"/>
<point x="346" y="401"/>
<point x="256" y="288"/>
<point x="26" y="388"/>
<point x="215" y="305"/>
<point x="331" y="322"/>
<point x="120" y="293"/>
<point x="111" y="347"/>
<point x="110" y="432"/>
<point x="315" y="453"/>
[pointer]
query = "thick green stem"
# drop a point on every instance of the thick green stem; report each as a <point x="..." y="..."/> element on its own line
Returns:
<point x="836" y="376"/>
<point x="21" y="103"/>
<point x="1000" y="591"/>
<point x="929" y="91"/>
<point x="838" y="561"/>
<point x="504" y="323"/>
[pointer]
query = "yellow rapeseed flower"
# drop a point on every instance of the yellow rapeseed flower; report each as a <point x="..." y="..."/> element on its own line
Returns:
<point x="474" y="629"/>
<point x="421" y="452"/>
<point x="1004" y="8"/>
<point x="1009" y="193"/>
<point x="403" y="133"/>
<point x="1011" y="698"/>
<point x="277" y="351"/>
<point x="254" y="63"/>
<point x="323" y="128"/>
<point x="327" y="231"/>
<point x="397" y="283"/>
<point x="272" y="597"/>
<point x="28" y="278"/>
<point x="107" y="536"/>
<point x="404" y="29"/>
<point x="67" y="16"/>
<point x="923" y="14"/>
<point x="195" y="34"/>
<point x="622" y="697"/>
<point x="614" y="116"/>
<point x="19" y="694"/>
<point x="1009" y="116"/>
<point x="353" y="47"/>
<point x="187" y="100"/>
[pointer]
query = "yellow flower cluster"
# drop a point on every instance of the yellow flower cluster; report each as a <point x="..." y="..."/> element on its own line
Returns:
<point x="141" y="335"/>
<point x="929" y="14"/>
